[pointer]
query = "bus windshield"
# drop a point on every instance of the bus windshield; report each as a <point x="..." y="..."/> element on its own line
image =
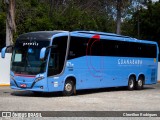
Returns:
<point x="25" y="58"/>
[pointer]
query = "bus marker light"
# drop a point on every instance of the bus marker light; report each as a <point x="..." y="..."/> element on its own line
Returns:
<point x="55" y="84"/>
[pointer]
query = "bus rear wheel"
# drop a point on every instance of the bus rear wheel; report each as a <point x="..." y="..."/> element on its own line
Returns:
<point x="69" y="88"/>
<point x="140" y="83"/>
<point x="131" y="83"/>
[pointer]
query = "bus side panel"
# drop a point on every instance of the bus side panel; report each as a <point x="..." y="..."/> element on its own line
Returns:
<point x="100" y="72"/>
<point x="97" y="72"/>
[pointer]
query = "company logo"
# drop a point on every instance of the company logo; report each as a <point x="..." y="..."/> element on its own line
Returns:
<point x="6" y="114"/>
<point x="130" y="62"/>
<point x="95" y="67"/>
<point x="70" y="65"/>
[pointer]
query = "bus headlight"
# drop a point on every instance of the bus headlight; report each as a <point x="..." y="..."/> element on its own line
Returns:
<point x="39" y="77"/>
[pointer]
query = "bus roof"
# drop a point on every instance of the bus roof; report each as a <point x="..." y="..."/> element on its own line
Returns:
<point x="102" y="33"/>
<point x="47" y="35"/>
<point x="112" y="36"/>
<point x="39" y="35"/>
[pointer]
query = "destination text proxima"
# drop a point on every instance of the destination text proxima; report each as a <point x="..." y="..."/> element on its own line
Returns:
<point x="31" y="43"/>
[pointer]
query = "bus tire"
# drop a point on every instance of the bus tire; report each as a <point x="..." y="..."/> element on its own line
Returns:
<point x="131" y="83"/>
<point x="140" y="83"/>
<point x="69" y="88"/>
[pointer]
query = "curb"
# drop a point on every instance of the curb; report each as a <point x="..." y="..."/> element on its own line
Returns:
<point x="3" y="85"/>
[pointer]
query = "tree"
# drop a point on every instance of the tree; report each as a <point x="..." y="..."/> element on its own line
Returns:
<point x="10" y="21"/>
<point x="149" y="21"/>
<point x="118" y="10"/>
<point x="2" y="25"/>
<point x="128" y="27"/>
<point x="69" y="15"/>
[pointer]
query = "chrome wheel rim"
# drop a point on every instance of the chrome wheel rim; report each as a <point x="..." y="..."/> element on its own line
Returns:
<point x="68" y="87"/>
<point x="131" y="84"/>
<point x="140" y="83"/>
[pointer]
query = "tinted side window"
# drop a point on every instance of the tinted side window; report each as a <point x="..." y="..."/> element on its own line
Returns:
<point x="152" y="50"/>
<point x="143" y="50"/>
<point x="128" y="49"/>
<point x="115" y="48"/>
<point x="80" y="46"/>
<point x="77" y="47"/>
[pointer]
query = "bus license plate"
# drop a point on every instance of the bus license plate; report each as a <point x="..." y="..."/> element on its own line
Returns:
<point x="23" y="85"/>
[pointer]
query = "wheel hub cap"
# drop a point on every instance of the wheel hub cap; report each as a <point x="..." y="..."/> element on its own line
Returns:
<point x="68" y="87"/>
<point x="131" y="84"/>
<point x="140" y="82"/>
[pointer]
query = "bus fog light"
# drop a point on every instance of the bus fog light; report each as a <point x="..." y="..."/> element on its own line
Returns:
<point x="41" y="87"/>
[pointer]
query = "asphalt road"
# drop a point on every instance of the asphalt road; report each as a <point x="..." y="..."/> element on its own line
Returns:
<point x="109" y="99"/>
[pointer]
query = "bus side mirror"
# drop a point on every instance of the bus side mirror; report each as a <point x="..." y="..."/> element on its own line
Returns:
<point x="3" y="51"/>
<point x="42" y="53"/>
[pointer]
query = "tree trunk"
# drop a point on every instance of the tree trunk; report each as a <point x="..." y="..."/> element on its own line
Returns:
<point x="51" y="8"/>
<point x="10" y="21"/>
<point x="119" y="10"/>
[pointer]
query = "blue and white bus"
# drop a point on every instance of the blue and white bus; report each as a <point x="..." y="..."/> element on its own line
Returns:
<point x="50" y="61"/>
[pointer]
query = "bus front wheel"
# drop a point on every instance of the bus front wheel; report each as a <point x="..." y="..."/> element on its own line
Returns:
<point x="69" y="88"/>
<point x="131" y="83"/>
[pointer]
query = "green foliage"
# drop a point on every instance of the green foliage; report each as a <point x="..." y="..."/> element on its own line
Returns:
<point x="44" y="15"/>
<point x="129" y="28"/>
<point x="37" y="15"/>
<point x="149" y="22"/>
